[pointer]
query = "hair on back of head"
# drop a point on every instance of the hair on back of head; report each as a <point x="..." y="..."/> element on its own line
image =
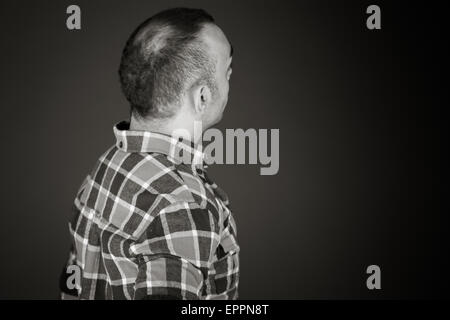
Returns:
<point x="162" y="58"/>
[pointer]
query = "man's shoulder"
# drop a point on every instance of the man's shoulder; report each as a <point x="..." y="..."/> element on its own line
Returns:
<point x="156" y="173"/>
<point x="130" y="189"/>
<point x="135" y="175"/>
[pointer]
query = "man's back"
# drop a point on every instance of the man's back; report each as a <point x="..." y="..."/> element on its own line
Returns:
<point x="147" y="226"/>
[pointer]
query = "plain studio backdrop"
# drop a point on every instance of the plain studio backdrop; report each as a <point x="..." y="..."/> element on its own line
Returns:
<point x="359" y="114"/>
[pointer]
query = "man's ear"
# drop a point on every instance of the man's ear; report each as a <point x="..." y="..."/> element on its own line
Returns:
<point x="202" y="98"/>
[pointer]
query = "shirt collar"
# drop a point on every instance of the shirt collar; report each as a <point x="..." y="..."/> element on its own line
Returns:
<point x="178" y="150"/>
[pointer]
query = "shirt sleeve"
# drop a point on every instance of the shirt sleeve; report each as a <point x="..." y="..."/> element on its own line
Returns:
<point x="66" y="279"/>
<point x="175" y="252"/>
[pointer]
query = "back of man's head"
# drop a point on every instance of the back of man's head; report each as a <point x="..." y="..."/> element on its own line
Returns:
<point x="162" y="58"/>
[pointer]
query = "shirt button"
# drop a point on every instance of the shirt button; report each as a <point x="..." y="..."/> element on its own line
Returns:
<point x="120" y="144"/>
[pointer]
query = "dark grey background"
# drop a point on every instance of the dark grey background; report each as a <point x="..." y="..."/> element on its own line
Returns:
<point x="361" y="120"/>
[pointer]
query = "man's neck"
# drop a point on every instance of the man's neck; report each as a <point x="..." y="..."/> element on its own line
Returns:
<point x="172" y="127"/>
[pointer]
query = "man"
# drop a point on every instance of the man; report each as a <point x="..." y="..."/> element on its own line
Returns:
<point x="148" y="222"/>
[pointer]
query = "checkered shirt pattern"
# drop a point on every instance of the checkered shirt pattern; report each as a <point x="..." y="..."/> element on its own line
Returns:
<point x="150" y="224"/>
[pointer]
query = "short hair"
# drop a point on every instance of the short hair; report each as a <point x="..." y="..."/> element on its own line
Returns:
<point x="162" y="58"/>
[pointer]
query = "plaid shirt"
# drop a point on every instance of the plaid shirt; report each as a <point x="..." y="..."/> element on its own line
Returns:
<point x="147" y="225"/>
